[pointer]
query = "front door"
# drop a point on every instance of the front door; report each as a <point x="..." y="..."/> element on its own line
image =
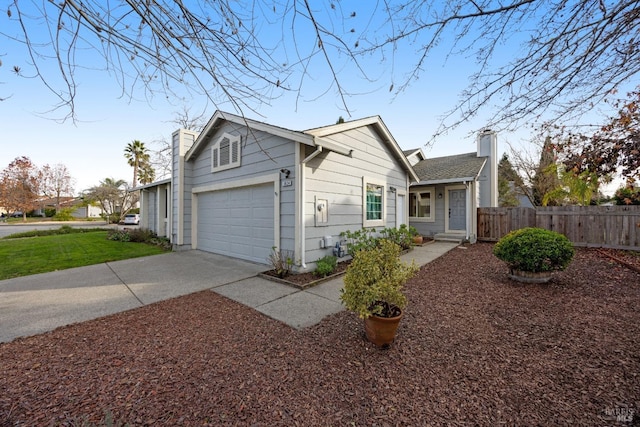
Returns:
<point x="457" y="210"/>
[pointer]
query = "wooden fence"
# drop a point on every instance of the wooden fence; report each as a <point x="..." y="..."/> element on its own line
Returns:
<point x="598" y="226"/>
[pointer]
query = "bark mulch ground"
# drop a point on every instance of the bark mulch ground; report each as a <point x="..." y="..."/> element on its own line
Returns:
<point x="473" y="348"/>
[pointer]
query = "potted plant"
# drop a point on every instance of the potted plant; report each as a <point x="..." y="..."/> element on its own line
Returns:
<point x="417" y="237"/>
<point x="533" y="254"/>
<point x="373" y="289"/>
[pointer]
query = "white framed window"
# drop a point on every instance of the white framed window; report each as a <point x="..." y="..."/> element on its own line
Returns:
<point x="373" y="203"/>
<point x="226" y="153"/>
<point x="422" y="204"/>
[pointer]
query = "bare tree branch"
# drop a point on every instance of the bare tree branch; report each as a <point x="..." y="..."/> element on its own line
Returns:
<point x="528" y="59"/>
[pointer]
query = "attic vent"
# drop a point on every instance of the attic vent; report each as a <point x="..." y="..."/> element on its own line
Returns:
<point x="226" y="153"/>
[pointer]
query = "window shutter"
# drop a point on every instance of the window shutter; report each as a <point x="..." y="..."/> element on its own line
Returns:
<point x="214" y="157"/>
<point x="235" y="151"/>
<point x="224" y="152"/>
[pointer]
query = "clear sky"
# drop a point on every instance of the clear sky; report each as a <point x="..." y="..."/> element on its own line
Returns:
<point x="93" y="147"/>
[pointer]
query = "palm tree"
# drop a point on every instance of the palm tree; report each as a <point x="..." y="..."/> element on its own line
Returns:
<point x="136" y="154"/>
<point x="146" y="173"/>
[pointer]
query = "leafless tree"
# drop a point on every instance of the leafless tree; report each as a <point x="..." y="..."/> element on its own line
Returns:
<point x="56" y="181"/>
<point x="161" y="156"/>
<point x="532" y="57"/>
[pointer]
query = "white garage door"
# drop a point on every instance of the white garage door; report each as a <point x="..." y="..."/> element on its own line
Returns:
<point x="237" y="222"/>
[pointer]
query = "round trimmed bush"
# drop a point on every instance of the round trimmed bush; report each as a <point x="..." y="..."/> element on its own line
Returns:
<point x="535" y="250"/>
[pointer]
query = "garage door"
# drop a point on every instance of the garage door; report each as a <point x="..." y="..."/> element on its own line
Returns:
<point x="237" y="222"/>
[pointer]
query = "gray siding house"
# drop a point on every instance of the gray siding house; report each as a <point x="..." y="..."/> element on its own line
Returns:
<point x="242" y="187"/>
<point x="444" y="201"/>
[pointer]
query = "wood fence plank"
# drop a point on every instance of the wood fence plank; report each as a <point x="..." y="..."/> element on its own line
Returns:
<point x="594" y="226"/>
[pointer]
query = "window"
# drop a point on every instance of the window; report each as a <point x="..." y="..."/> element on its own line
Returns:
<point x="373" y="204"/>
<point x="421" y="204"/>
<point x="226" y="153"/>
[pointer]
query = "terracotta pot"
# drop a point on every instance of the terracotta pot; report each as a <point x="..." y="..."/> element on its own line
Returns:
<point x="529" y="277"/>
<point x="381" y="330"/>
<point x="417" y="240"/>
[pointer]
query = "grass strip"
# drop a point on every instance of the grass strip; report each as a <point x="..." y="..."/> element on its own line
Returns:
<point x="42" y="254"/>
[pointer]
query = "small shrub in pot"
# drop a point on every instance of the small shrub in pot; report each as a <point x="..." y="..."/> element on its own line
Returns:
<point x="535" y="250"/>
<point x="374" y="280"/>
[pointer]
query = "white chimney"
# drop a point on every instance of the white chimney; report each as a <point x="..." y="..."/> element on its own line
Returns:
<point x="488" y="180"/>
<point x="182" y="140"/>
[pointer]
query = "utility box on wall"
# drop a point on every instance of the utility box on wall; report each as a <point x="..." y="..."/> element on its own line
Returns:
<point x="322" y="212"/>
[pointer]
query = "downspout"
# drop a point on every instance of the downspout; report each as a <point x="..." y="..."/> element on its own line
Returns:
<point x="469" y="209"/>
<point x="303" y="261"/>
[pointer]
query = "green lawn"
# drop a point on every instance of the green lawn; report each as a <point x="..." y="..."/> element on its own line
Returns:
<point x="32" y="255"/>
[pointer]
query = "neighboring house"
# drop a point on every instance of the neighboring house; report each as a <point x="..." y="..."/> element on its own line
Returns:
<point x="83" y="210"/>
<point x="242" y="187"/>
<point x="444" y="202"/>
<point x="523" y="199"/>
<point x="80" y="210"/>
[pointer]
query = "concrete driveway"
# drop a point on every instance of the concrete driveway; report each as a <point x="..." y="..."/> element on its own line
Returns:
<point x="34" y="304"/>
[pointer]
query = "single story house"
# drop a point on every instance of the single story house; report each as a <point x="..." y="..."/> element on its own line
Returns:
<point x="443" y="203"/>
<point x="79" y="208"/>
<point x="242" y="188"/>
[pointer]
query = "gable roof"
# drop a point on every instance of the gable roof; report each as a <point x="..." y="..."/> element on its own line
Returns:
<point x="220" y="116"/>
<point x="312" y="137"/>
<point x="381" y="129"/>
<point x="413" y="151"/>
<point x="460" y="167"/>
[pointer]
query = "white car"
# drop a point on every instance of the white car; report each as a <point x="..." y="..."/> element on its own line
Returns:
<point x="131" y="219"/>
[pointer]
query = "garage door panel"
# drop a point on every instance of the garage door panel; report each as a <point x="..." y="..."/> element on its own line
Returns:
<point x="261" y="212"/>
<point x="263" y="233"/>
<point x="238" y="222"/>
<point x="241" y="232"/>
<point x="239" y="213"/>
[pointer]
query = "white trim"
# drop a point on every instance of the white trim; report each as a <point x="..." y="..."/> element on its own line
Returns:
<point x="153" y="184"/>
<point x="235" y="143"/>
<point x="421" y="189"/>
<point x="246" y="182"/>
<point x="194" y="221"/>
<point x="334" y="146"/>
<point x="212" y="127"/>
<point x="299" y="229"/>
<point x="443" y="181"/>
<point x="404" y="220"/>
<point x="302" y="185"/>
<point x="469" y="208"/>
<point x="382" y="130"/>
<point x="447" y="188"/>
<point x="273" y="178"/>
<point x="180" y="195"/>
<point x="374" y="222"/>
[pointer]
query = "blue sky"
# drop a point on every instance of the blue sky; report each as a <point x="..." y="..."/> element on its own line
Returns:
<point x="92" y="147"/>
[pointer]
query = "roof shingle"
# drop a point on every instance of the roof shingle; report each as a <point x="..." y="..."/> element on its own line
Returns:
<point x="450" y="168"/>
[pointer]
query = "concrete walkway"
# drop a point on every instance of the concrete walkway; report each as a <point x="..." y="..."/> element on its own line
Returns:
<point x="35" y="304"/>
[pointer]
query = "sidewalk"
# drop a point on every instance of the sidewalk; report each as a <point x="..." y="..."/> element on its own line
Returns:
<point x="39" y="303"/>
<point x="304" y="308"/>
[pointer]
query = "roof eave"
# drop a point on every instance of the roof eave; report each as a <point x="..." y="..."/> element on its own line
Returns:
<point x="333" y="146"/>
<point x="446" y="180"/>
<point x="153" y="184"/>
<point x="220" y="116"/>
